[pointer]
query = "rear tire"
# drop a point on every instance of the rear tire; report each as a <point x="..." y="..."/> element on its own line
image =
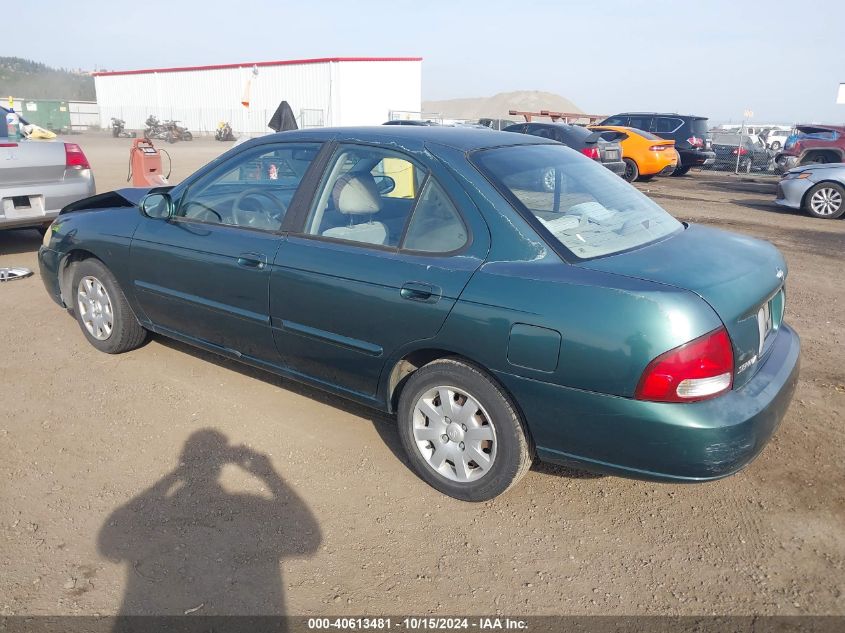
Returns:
<point x="102" y="311"/>
<point x="486" y="449"/>
<point x="826" y="200"/>
<point x="681" y="171"/>
<point x="775" y="145"/>
<point x="632" y="172"/>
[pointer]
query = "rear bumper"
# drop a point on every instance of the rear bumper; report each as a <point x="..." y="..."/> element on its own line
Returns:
<point x="52" y="197"/>
<point x="616" y="166"/>
<point x="690" y="442"/>
<point x="693" y="158"/>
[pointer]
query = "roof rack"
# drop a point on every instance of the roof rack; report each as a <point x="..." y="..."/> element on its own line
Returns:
<point x="562" y="117"/>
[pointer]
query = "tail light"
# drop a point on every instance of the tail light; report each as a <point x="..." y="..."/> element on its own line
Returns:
<point x="698" y="370"/>
<point x="695" y="141"/>
<point x="741" y="150"/>
<point x="658" y="148"/>
<point x="75" y="157"/>
<point x="591" y="152"/>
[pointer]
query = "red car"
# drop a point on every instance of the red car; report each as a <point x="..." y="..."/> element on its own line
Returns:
<point x="813" y="144"/>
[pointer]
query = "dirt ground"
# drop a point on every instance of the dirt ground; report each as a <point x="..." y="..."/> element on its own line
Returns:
<point x="95" y="450"/>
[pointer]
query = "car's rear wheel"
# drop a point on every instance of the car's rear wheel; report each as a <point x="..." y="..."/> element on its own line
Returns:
<point x="102" y="311"/>
<point x="632" y="172"/>
<point x="462" y="433"/>
<point x="825" y="200"/>
<point x="775" y="145"/>
<point x="681" y="170"/>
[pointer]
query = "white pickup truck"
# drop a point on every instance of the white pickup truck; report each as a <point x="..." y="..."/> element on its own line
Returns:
<point x="38" y="178"/>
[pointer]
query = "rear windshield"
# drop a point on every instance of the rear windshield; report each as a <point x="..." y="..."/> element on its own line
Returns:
<point x="699" y="127"/>
<point x="575" y="201"/>
<point x="646" y="135"/>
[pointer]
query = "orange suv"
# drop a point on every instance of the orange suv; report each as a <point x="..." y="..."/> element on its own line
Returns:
<point x="645" y="154"/>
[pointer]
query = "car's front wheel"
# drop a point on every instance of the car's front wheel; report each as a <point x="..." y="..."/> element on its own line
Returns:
<point x="461" y="431"/>
<point x="102" y="311"/>
<point x="825" y="200"/>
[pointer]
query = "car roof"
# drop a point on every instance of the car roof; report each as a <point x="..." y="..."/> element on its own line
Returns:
<point x="410" y="137"/>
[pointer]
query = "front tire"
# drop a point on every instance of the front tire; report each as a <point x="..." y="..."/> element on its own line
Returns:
<point x="486" y="449"/>
<point x="825" y="200"/>
<point x="102" y="311"/>
<point x="632" y="172"/>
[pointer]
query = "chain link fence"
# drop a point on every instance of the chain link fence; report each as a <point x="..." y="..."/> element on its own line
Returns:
<point x="748" y="148"/>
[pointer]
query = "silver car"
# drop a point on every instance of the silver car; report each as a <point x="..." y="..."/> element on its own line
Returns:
<point x="816" y="189"/>
<point x="38" y="178"/>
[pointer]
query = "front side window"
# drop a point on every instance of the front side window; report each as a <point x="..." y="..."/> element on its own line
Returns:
<point x="252" y="190"/>
<point x="367" y="196"/>
<point x="582" y="206"/>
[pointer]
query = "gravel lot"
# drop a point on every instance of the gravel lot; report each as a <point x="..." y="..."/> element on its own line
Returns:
<point x="96" y="450"/>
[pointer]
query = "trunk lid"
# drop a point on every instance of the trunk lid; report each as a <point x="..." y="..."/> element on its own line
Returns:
<point x="28" y="162"/>
<point x="742" y="279"/>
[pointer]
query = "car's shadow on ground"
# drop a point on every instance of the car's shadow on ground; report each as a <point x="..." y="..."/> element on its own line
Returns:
<point x="18" y="241"/>
<point x="384" y="424"/>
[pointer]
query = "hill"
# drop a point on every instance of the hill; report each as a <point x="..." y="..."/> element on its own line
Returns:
<point x="32" y="80"/>
<point x="498" y="105"/>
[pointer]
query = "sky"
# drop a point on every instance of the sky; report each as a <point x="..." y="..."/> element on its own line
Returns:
<point x="781" y="59"/>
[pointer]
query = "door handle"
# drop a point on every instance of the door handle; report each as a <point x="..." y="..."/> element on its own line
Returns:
<point x="415" y="291"/>
<point x="252" y="260"/>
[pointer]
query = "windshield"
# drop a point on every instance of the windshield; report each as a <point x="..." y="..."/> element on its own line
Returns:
<point x="699" y="127"/>
<point x="585" y="207"/>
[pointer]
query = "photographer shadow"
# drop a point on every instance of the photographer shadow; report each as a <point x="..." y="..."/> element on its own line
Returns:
<point x="192" y="547"/>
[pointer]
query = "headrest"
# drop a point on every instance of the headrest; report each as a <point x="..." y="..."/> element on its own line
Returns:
<point x="355" y="194"/>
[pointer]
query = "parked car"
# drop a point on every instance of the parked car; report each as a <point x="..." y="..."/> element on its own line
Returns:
<point x="38" y="178"/>
<point x="645" y="154"/>
<point x="819" y="190"/>
<point x="590" y="144"/>
<point x="776" y="138"/>
<point x="740" y="153"/>
<point x="498" y="321"/>
<point x="690" y="133"/>
<point x="813" y="144"/>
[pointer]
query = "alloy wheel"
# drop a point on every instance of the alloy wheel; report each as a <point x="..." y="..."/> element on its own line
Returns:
<point x="454" y="434"/>
<point x="826" y="201"/>
<point x="95" y="308"/>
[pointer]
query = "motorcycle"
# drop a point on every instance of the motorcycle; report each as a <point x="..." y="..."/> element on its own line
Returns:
<point x="176" y="132"/>
<point x="155" y="129"/>
<point x="224" y="132"/>
<point x="118" y="129"/>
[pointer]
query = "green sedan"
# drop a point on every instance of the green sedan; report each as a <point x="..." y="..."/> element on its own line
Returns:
<point x="507" y="298"/>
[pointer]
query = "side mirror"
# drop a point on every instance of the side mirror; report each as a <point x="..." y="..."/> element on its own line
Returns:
<point x="385" y="184"/>
<point x="157" y="206"/>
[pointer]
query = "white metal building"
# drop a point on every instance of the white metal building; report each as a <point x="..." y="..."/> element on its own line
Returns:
<point x="325" y="91"/>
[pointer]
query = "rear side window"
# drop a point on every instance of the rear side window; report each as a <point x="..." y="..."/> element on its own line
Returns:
<point x="435" y="225"/>
<point x="666" y="125"/>
<point x="640" y="122"/>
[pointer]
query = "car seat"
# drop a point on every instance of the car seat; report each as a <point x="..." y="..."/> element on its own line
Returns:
<point x="356" y="196"/>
